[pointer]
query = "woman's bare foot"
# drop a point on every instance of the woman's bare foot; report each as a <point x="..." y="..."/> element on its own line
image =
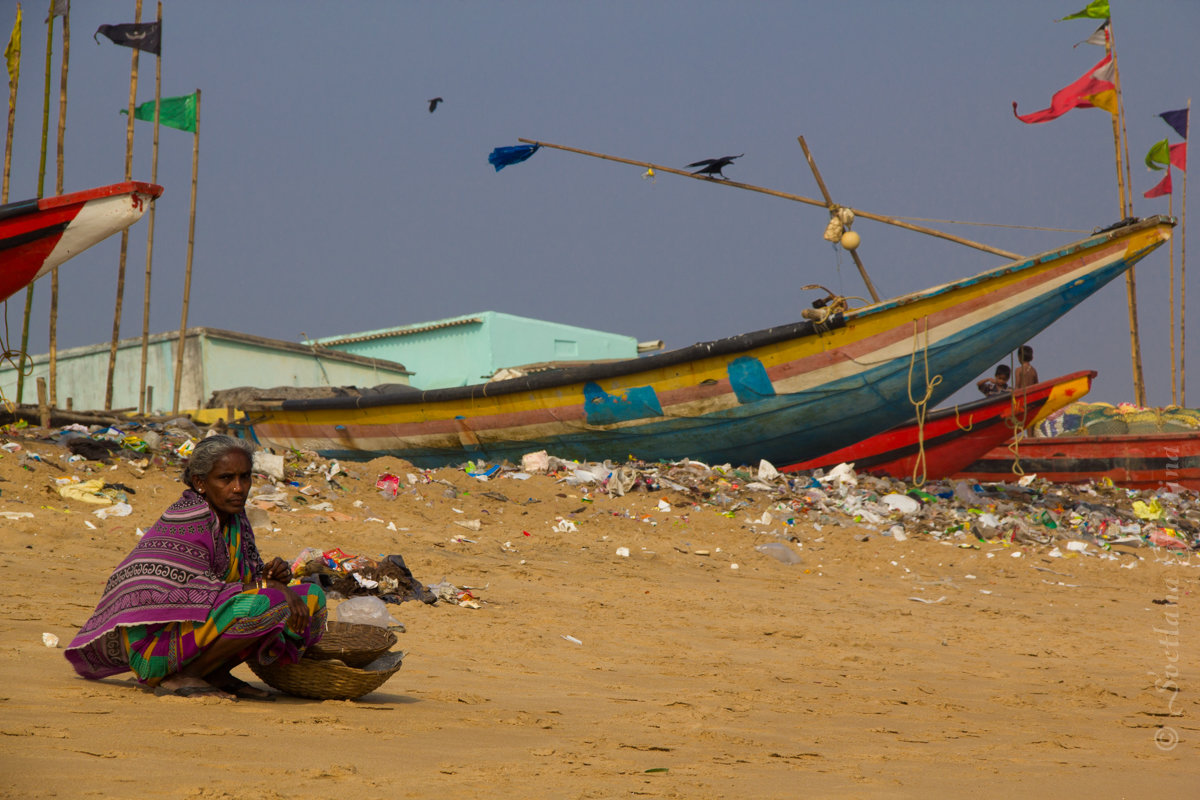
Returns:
<point x="189" y="686"/>
<point x="226" y="682"/>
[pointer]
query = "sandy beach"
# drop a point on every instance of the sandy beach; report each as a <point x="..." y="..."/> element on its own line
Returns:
<point x="694" y="667"/>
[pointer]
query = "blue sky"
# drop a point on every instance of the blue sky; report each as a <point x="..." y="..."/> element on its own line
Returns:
<point x="331" y="201"/>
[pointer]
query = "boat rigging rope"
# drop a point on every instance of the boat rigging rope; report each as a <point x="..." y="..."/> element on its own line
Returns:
<point x="921" y="406"/>
<point x="992" y="225"/>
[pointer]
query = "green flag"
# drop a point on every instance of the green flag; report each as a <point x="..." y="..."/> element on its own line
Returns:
<point x="1097" y="9"/>
<point x="177" y="112"/>
<point x="1160" y="153"/>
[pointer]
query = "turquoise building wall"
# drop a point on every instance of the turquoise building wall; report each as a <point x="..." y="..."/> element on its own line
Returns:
<point x="468" y="349"/>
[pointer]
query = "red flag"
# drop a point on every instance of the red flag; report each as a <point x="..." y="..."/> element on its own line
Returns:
<point x="1179" y="155"/>
<point x="1163" y="187"/>
<point x="1094" y="85"/>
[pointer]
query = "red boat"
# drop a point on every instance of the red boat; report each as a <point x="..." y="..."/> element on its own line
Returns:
<point x="1135" y="461"/>
<point x="38" y="235"/>
<point x="956" y="437"/>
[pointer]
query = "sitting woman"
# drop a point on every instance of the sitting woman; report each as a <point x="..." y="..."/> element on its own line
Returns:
<point x="194" y="599"/>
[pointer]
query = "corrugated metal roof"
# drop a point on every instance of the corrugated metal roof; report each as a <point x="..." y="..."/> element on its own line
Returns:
<point x="370" y="337"/>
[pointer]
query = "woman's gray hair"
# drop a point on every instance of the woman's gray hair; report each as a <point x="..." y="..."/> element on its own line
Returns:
<point x="209" y="451"/>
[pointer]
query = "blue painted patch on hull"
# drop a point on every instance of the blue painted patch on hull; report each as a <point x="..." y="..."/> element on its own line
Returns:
<point x="749" y="380"/>
<point x="602" y="408"/>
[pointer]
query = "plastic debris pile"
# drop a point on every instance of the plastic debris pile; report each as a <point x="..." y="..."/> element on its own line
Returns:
<point x="1026" y="511"/>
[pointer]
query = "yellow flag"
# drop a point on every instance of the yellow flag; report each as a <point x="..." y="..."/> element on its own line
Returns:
<point x="12" y="53"/>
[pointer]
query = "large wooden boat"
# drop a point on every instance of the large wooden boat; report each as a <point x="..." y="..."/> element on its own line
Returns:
<point x="38" y="235"/>
<point x="1135" y="461"/>
<point x="951" y="439"/>
<point x="783" y="394"/>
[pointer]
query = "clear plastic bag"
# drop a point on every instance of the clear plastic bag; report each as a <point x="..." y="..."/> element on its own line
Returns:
<point x="365" y="610"/>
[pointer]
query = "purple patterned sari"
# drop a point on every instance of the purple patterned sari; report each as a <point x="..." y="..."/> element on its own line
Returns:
<point x="182" y="577"/>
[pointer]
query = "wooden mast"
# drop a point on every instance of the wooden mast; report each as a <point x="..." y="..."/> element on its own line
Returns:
<point x="187" y="275"/>
<point x="52" y="382"/>
<point x="1135" y="345"/>
<point x="40" y="191"/>
<point x="785" y="195"/>
<point x="829" y="203"/>
<point x="142" y="402"/>
<point x="116" y="333"/>
<point x="1183" y="276"/>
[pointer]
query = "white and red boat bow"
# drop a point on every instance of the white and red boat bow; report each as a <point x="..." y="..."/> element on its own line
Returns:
<point x="38" y="235"/>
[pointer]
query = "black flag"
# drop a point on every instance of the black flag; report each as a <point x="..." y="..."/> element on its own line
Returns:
<point x="138" y="35"/>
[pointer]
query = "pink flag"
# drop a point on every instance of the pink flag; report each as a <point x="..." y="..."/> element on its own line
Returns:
<point x="1164" y="186"/>
<point x="1097" y="81"/>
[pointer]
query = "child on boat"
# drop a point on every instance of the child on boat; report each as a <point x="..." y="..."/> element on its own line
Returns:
<point x="998" y="384"/>
<point x="1026" y="374"/>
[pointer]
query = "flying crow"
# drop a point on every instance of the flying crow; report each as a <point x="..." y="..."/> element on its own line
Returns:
<point x="433" y="104"/>
<point x="713" y="166"/>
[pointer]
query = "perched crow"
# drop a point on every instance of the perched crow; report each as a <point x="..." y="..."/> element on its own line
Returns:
<point x="433" y="104"/>
<point x="713" y="166"/>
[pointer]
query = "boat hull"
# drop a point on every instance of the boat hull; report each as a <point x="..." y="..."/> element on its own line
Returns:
<point x="780" y="394"/>
<point x="952" y="439"/>
<point x="38" y="235"/>
<point x="1135" y="461"/>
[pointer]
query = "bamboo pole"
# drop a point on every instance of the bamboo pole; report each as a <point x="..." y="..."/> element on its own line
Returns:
<point x="829" y="204"/>
<point x="12" y="120"/>
<point x="58" y="190"/>
<point x="43" y="404"/>
<point x="785" y="195"/>
<point x="40" y="191"/>
<point x="116" y="333"/>
<point x="143" y="399"/>
<point x="187" y="275"/>
<point x="8" y="141"/>
<point x="1183" y="278"/>
<point x="1135" y="344"/>
<point x="1171" y="295"/>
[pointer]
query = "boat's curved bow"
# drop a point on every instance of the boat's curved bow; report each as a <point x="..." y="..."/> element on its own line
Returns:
<point x="40" y="234"/>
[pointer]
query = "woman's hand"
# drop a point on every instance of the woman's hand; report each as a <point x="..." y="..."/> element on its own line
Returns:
<point x="298" y="620"/>
<point x="277" y="570"/>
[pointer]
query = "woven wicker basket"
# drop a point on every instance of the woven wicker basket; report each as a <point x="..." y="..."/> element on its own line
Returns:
<point x="328" y="679"/>
<point x="355" y="645"/>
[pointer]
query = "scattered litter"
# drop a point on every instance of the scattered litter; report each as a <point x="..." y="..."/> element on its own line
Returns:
<point x="931" y="602"/>
<point x="115" y="510"/>
<point x="571" y="639"/>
